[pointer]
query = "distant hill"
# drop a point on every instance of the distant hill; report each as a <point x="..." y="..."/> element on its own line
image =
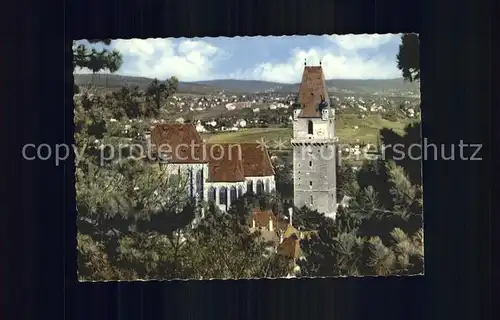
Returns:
<point x="250" y="86"/>
<point x="372" y="84"/>
<point x="243" y="85"/>
<point x="112" y="81"/>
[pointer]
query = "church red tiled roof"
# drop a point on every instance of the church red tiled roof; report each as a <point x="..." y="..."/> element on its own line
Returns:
<point x="227" y="162"/>
<point x="312" y="89"/>
<point x="181" y="142"/>
<point x="256" y="160"/>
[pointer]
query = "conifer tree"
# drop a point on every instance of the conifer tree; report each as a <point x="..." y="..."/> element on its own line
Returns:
<point x="408" y="57"/>
<point x="372" y="236"/>
<point x="224" y="247"/>
<point x="157" y="92"/>
<point x="96" y="60"/>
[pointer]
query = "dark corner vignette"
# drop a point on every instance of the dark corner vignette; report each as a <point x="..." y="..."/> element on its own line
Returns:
<point x="452" y="199"/>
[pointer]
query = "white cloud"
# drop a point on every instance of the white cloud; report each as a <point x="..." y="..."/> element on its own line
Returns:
<point x="196" y="59"/>
<point x="160" y="58"/>
<point x="345" y="63"/>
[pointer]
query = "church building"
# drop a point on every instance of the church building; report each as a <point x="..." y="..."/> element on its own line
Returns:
<point x="214" y="172"/>
<point x="313" y="142"/>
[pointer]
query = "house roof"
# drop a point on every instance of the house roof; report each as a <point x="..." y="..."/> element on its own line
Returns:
<point x="303" y="234"/>
<point x="269" y="237"/>
<point x="262" y="218"/>
<point x="181" y="142"/>
<point x="290" y="230"/>
<point x="290" y="247"/>
<point x="311" y="91"/>
<point x="256" y="160"/>
<point x="227" y="162"/>
<point x="232" y="162"/>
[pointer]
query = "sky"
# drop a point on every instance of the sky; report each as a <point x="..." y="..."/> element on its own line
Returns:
<point x="277" y="59"/>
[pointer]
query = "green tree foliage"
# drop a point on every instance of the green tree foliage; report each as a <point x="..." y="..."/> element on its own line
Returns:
<point x="283" y="173"/>
<point x="128" y="102"/>
<point x="135" y="220"/>
<point x="346" y="177"/>
<point x="96" y="60"/>
<point x="408" y="57"/>
<point x="335" y="249"/>
<point x="306" y="219"/>
<point x="380" y="233"/>
<point x="122" y="201"/>
<point x="406" y="150"/>
<point x="225" y="248"/>
<point x="157" y="92"/>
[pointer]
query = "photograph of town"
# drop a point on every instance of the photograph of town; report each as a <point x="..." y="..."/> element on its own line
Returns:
<point x="248" y="157"/>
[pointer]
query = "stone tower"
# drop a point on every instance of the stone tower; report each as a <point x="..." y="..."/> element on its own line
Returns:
<point x="314" y="151"/>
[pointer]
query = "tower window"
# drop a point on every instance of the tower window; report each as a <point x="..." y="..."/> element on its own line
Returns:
<point x="311" y="199"/>
<point x="309" y="127"/>
<point x="310" y="164"/>
<point x="310" y="183"/>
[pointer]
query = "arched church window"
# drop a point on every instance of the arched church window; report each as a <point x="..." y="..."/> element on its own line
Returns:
<point x="233" y="194"/>
<point x="223" y="196"/>
<point x="309" y="127"/>
<point x="199" y="183"/>
<point x="250" y="187"/>
<point x="311" y="200"/>
<point x="211" y="194"/>
<point x="260" y="187"/>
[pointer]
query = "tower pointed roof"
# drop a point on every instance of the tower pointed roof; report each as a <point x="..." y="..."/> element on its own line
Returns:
<point x="312" y="91"/>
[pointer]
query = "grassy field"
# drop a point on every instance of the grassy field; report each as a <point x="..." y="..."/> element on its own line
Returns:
<point x="367" y="131"/>
<point x="250" y="135"/>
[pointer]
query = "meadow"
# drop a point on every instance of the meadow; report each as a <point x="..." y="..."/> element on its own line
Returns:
<point x="349" y="128"/>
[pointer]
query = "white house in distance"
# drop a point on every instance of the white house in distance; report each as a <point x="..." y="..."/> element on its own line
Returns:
<point x="215" y="172"/>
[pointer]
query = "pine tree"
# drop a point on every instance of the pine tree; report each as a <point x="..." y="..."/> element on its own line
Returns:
<point x="129" y="211"/>
<point x="224" y="247"/>
<point x="96" y="60"/>
<point x="408" y="57"/>
<point x="372" y="236"/>
<point x="158" y="91"/>
<point x="410" y="141"/>
<point x="345" y="179"/>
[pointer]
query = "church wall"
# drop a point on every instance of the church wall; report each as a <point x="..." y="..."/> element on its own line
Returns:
<point x="217" y="186"/>
<point x="243" y="186"/>
<point x="266" y="180"/>
<point x="190" y="172"/>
